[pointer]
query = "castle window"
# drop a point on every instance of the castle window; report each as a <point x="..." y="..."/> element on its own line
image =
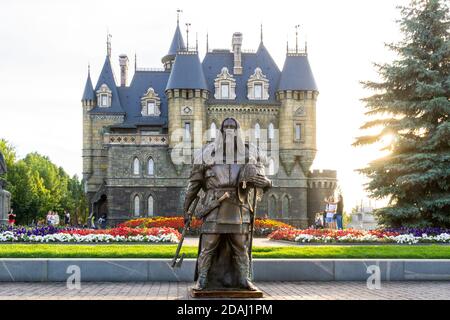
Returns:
<point x="285" y="206"/>
<point x="150" y="203"/>
<point x="298" y="132"/>
<point x="187" y="131"/>
<point x="225" y="90"/>
<point x="137" y="206"/>
<point x="258" y="91"/>
<point x="225" y="85"/>
<point x="258" y="86"/>
<point x="104" y="100"/>
<point x="213" y="131"/>
<point x="271" y="131"/>
<point x="272" y="206"/>
<point x="136" y="166"/>
<point x="104" y="96"/>
<point x="257" y="131"/>
<point x="150" y="103"/>
<point x="150" y="167"/>
<point x="271" y="169"/>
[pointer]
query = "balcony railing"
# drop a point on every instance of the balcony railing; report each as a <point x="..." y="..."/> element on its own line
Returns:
<point x="136" y="139"/>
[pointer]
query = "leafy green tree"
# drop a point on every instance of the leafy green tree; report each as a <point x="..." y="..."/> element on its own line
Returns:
<point x="37" y="186"/>
<point x="411" y="104"/>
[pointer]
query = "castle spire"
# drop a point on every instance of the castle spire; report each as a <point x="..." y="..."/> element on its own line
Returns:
<point x="108" y="44"/>
<point x="261" y="33"/>
<point x="207" y="41"/>
<point x="178" y="16"/>
<point x="88" y="93"/>
<point x="296" y="37"/>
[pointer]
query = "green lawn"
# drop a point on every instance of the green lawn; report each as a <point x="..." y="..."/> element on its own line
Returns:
<point x="167" y="251"/>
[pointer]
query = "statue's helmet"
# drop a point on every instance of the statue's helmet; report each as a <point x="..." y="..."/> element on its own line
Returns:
<point x="229" y="123"/>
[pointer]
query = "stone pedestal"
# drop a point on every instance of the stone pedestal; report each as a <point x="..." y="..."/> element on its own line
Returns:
<point x="231" y="293"/>
<point x="5" y="204"/>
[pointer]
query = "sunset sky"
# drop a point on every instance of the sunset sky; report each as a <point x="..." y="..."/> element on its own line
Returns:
<point x="45" y="48"/>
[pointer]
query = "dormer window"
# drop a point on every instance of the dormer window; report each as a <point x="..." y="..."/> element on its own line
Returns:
<point x="104" y="96"/>
<point x="151" y="107"/>
<point x="225" y="86"/>
<point x="150" y="103"/>
<point x="104" y="100"/>
<point x="225" y="90"/>
<point x="258" y="86"/>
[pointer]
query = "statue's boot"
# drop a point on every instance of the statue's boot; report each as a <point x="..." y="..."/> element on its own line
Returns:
<point x="200" y="284"/>
<point x="244" y="279"/>
<point x="204" y="262"/>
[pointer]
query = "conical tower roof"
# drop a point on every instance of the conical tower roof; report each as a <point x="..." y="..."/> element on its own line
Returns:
<point x="88" y="93"/>
<point x="187" y="72"/>
<point x="297" y="74"/>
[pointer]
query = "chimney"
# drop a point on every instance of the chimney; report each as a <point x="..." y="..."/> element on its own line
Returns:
<point x="237" y="46"/>
<point x="123" y="61"/>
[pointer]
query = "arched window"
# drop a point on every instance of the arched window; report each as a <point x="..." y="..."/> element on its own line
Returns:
<point x="271" y="169"/>
<point x="213" y="130"/>
<point x="136" y="166"/>
<point x="271" y="131"/>
<point x="150" y="202"/>
<point x="285" y="206"/>
<point x="272" y="206"/>
<point x="136" y="205"/>
<point x="257" y="131"/>
<point x="151" y="167"/>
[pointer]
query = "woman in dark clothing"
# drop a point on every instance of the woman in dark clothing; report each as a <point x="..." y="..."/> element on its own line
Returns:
<point x="339" y="212"/>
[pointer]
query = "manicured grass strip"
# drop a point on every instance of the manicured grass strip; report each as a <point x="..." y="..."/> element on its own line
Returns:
<point x="167" y="251"/>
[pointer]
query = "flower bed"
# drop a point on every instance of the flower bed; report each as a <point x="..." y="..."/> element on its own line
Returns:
<point x="169" y="235"/>
<point x="263" y="227"/>
<point x="358" y="236"/>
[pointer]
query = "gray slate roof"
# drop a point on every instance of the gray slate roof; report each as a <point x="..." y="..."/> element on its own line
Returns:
<point x="215" y="61"/>
<point x="177" y="42"/>
<point x="88" y="93"/>
<point x="107" y="77"/>
<point x="297" y="74"/>
<point x="187" y="72"/>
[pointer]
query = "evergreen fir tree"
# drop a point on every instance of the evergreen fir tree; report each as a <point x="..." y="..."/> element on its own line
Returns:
<point x="412" y="104"/>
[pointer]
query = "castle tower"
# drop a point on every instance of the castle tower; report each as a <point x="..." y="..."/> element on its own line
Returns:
<point x="297" y="93"/>
<point x="187" y="93"/>
<point x="101" y="108"/>
<point x="87" y="102"/>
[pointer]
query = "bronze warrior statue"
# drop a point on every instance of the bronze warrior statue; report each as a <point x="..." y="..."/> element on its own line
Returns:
<point x="224" y="258"/>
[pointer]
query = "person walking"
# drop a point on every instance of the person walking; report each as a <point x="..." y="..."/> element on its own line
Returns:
<point x="339" y="212"/>
<point x="66" y="217"/>
<point x="330" y="209"/>
<point x="55" y="219"/>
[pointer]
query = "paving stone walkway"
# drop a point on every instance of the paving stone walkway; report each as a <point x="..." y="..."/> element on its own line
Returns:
<point x="428" y="290"/>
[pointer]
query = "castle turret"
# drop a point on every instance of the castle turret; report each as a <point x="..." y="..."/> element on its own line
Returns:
<point x="298" y="93"/>
<point x="87" y="101"/>
<point x="101" y="108"/>
<point x="176" y="45"/>
<point x="187" y="93"/>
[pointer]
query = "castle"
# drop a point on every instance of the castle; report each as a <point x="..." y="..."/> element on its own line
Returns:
<point x="130" y="129"/>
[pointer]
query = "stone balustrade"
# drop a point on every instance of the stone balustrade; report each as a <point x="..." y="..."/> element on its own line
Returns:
<point x="135" y="139"/>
